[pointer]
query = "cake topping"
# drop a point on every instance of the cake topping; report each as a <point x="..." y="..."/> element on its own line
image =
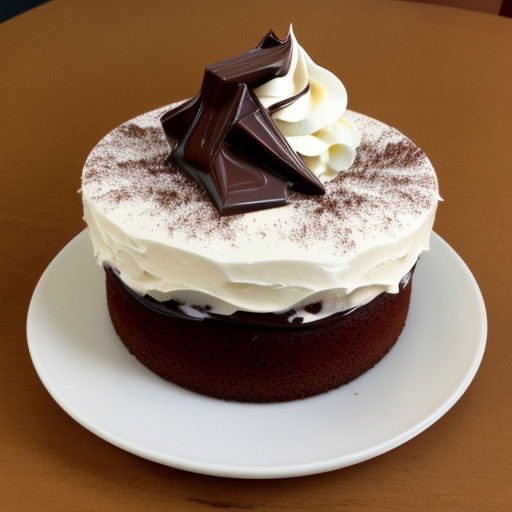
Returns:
<point x="315" y="124"/>
<point x="231" y="136"/>
<point x="226" y="139"/>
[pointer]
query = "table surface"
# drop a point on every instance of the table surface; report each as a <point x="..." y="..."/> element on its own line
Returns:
<point x="73" y="71"/>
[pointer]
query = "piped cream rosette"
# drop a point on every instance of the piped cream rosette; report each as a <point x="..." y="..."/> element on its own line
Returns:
<point x="314" y="124"/>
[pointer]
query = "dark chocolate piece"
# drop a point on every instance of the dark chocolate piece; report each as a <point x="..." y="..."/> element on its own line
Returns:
<point x="228" y="142"/>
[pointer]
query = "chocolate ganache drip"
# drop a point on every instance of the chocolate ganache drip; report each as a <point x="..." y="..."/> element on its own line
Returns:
<point x="225" y="138"/>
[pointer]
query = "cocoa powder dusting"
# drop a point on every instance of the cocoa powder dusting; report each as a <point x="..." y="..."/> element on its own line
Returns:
<point x="390" y="181"/>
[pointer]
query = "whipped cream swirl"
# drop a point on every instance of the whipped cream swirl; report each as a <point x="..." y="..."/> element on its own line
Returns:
<point x="314" y="125"/>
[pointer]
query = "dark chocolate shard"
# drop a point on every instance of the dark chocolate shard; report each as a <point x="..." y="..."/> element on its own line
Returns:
<point x="236" y="177"/>
<point x="177" y="121"/>
<point x="227" y="140"/>
<point x="268" y="148"/>
<point x="242" y="186"/>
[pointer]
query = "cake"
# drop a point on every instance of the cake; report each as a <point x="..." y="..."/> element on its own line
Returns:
<point x="281" y="283"/>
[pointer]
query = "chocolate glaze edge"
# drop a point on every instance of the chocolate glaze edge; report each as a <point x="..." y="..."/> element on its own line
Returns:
<point x="249" y="319"/>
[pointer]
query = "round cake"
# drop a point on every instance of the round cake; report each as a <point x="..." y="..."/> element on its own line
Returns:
<point x="268" y="305"/>
<point x="251" y="363"/>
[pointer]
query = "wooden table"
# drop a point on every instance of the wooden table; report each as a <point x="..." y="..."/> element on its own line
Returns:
<point x="72" y="71"/>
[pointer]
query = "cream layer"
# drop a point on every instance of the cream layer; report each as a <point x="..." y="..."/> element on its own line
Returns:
<point x="161" y="231"/>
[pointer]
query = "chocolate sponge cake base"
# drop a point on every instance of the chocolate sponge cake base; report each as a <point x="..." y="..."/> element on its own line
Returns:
<point x="258" y="364"/>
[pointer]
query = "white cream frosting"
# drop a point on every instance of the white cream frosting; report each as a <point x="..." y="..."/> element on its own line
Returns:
<point x="166" y="238"/>
<point x="314" y="124"/>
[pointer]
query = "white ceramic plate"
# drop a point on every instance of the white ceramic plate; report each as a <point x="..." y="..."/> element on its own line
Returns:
<point x="93" y="378"/>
